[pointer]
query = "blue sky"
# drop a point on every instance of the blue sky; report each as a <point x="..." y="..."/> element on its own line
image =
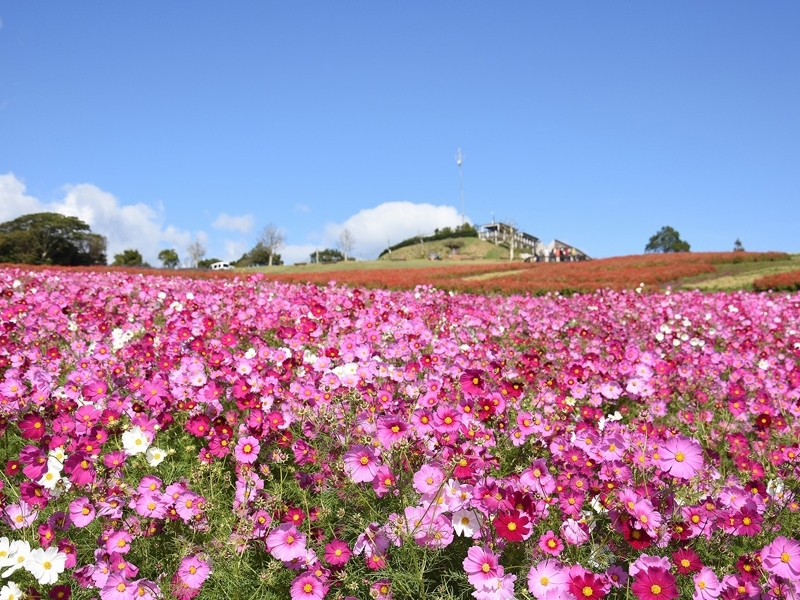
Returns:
<point x="595" y="123"/>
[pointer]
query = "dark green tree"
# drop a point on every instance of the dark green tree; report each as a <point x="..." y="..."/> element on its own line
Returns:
<point x="207" y="262"/>
<point x="737" y="246"/>
<point x="667" y="240"/>
<point x="169" y="258"/>
<point x="128" y="258"/>
<point x="259" y="255"/>
<point x="51" y="239"/>
<point x="328" y="255"/>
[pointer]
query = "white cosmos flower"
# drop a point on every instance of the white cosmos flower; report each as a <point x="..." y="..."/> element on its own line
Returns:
<point x="46" y="565"/>
<point x="10" y="591"/>
<point x="19" y="550"/>
<point x="465" y="522"/>
<point x="53" y="474"/>
<point x="134" y="441"/>
<point x="5" y="551"/>
<point x="155" y="456"/>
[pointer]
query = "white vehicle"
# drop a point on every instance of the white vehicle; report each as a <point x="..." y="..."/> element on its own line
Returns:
<point x="221" y="266"/>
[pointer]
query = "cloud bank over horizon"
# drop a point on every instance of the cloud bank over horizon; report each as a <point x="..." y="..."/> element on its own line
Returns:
<point x="374" y="229"/>
<point x="143" y="227"/>
<point x="137" y="226"/>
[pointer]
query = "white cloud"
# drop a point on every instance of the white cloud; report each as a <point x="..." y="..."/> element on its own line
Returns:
<point x="296" y="253"/>
<point x="301" y="208"/>
<point x="242" y="223"/>
<point x="390" y="223"/>
<point x="136" y="226"/>
<point x="234" y="250"/>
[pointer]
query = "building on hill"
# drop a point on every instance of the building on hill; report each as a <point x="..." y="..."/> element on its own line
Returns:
<point x="530" y="247"/>
<point x="558" y="251"/>
<point x="504" y="234"/>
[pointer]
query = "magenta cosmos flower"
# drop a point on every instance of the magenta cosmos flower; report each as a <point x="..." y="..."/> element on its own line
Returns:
<point x="246" y="450"/>
<point x="360" y="464"/>
<point x="681" y="457"/>
<point x="655" y="584"/>
<point x="782" y="557"/>
<point x="337" y="552"/>
<point x="481" y="565"/>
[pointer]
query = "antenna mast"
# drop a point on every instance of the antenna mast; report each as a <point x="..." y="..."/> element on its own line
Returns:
<point x="459" y="160"/>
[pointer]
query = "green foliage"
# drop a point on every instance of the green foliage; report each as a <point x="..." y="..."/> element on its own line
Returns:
<point x="667" y="240"/>
<point x="128" y="258"/>
<point x="465" y="230"/>
<point x="169" y="258"/>
<point x="329" y="255"/>
<point x="51" y="239"/>
<point x="259" y="255"/>
<point x="207" y="262"/>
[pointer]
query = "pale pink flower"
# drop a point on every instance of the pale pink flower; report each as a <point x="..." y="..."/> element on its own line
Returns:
<point x="681" y="457"/>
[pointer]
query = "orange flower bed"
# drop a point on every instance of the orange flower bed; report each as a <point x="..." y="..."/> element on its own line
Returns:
<point x="784" y="282"/>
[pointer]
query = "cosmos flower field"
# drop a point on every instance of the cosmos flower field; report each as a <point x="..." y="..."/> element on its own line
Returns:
<point x="165" y="437"/>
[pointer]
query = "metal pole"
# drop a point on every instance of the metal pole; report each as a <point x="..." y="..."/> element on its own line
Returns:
<point x="461" y="183"/>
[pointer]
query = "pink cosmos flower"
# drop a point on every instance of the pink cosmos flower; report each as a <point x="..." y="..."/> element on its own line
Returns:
<point x="247" y="449"/>
<point x="286" y="543"/>
<point x="360" y="464"/>
<point x="574" y="532"/>
<point x="384" y="481"/>
<point x="500" y="588"/>
<point x="545" y="577"/>
<point x="681" y="457"/>
<point x="481" y="565"/>
<point x="81" y="512"/>
<point x="706" y="585"/>
<point x="307" y="587"/>
<point x="117" y="587"/>
<point x="390" y="429"/>
<point x="782" y="557"/>
<point x="550" y="543"/>
<point x="193" y="571"/>
<point x="428" y="479"/>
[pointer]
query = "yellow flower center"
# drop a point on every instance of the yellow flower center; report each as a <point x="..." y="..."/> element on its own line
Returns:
<point x="785" y="557"/>
<point x="587" y="591"/>
<point x="655" y="588"/>
<point x="544" y="580"/>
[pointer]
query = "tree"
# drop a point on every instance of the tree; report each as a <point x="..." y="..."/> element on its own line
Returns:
<point x="51" y="239"/>
<point x="169" y="258"/>
<point x="128" y="258"/>
<point x="667" y="240"/>
<point x="329" y="255"/>
<point x="196" y="252"/>
<point x="346" y="242"/>
<point x="207" y="262"/>
<point x="257" y="256"/>
<point x="737" y="246"/>
<point x="271" y="239"/>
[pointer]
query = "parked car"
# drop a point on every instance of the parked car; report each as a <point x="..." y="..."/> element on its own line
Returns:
<point x="221" y="266"/>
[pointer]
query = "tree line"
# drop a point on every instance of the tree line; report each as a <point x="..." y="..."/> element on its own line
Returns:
<point x="56" y="239"/>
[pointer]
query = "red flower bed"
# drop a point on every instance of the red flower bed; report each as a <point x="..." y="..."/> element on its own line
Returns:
<point x="788" y="282"/>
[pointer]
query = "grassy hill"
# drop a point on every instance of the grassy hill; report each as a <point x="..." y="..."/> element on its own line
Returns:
<point x="471" y="249"/>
